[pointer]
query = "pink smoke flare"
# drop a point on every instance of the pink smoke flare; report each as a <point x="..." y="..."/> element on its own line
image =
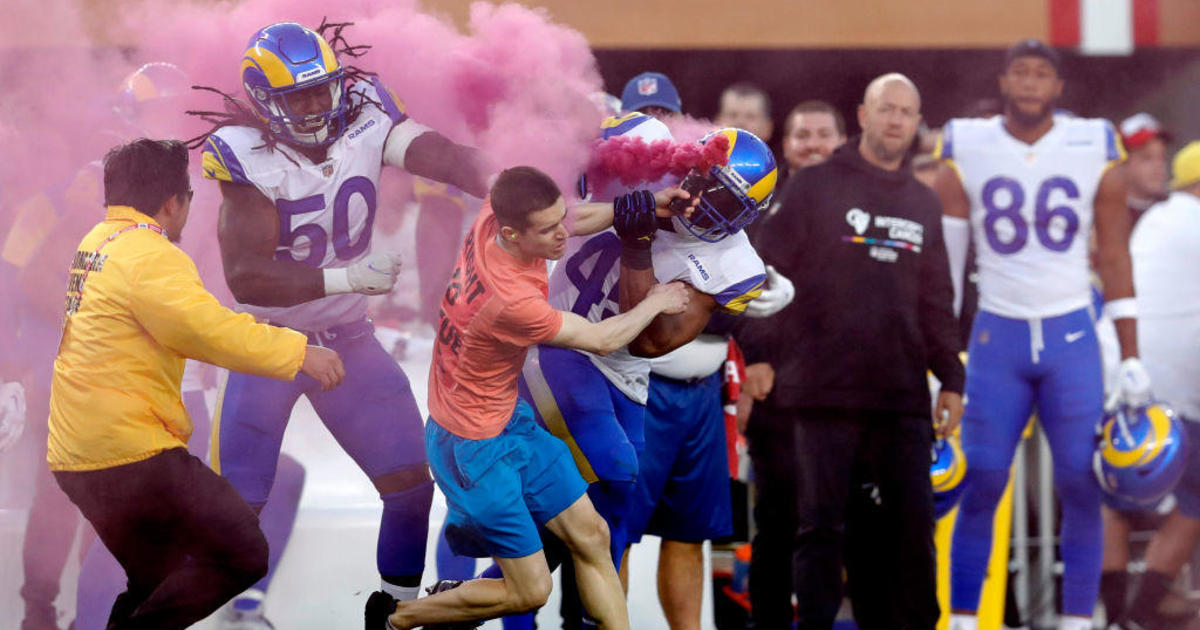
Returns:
<point x="631" y="159"/>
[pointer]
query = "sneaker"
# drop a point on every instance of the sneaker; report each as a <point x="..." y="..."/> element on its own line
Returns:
<point x="445" y="585"/>
<point x="234" y="619"/>
<point x="380" y="606"/>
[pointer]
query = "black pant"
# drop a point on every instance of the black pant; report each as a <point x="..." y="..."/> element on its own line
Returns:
<point x="772" y="453"/>
<point x="186" y="539"/>
<point x="861" y="500"/>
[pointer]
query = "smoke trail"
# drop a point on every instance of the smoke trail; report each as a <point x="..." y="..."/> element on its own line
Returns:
<point x="632" y="159"/>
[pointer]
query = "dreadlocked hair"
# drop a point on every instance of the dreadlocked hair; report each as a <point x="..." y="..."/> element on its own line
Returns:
<point x="238" y="112"/>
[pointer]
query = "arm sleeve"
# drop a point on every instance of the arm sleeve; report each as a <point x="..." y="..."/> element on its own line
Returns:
<point x="527" y="321"/>
<point x="170" y="302"/>
<point x="936" y="301"/>
<point x="957" y="234"/>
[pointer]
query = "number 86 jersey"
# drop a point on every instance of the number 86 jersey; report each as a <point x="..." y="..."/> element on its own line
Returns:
<point x="1031" y="209"/>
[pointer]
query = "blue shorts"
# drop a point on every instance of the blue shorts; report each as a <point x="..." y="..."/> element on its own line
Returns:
<point x="572" y="398"/>
<point x="500" y="490"/>
<point x="683" y="483"/>
<point x="372" y="415"/>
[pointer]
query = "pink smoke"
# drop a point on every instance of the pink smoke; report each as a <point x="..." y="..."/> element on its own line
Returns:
<point x="632" y="159"/>
<point x="687" y="129"/>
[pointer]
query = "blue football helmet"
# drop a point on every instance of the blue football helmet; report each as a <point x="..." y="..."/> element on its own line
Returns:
<point x="1141" y="454"/>
<point x="282" y="60"/>
<point x="946" y="473"/>
<point x="149" y="101"/>
<point x="733" y="195"/>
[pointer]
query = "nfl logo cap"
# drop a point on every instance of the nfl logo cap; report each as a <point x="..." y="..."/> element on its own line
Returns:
<point x="1141" y="128"/>
<point x="650" y="89"/>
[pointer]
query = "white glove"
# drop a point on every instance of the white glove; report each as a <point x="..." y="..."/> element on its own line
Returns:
<point x="12" y="413"/>
<point x="778" y="293"/>
<point x="1133" y="384"/>
<point x="373" y="275"/>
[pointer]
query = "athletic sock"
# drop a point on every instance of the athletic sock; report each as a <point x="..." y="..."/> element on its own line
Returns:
<point x="1150" y="592"/>
<point x="1067" y="622"/>
<point x="963" y="622"/>
<point x="402" y="593"/>
<point x="1114" y="591"/>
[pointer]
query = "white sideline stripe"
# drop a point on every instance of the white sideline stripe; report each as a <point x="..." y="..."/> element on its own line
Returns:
<point x="1107" y="27"/>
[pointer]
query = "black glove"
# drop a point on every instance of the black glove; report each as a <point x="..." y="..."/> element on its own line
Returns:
<point x="635" y="223"/>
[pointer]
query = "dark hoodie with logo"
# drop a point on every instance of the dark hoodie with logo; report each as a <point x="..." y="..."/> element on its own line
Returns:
<point x="874" y="303"/>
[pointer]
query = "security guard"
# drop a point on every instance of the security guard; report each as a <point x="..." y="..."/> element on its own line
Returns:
<point x="135" y="310"/>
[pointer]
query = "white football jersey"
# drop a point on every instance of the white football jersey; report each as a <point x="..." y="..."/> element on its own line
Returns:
<point x="1166" y="277"/>
<point x="1031" y="209"/>
<point x="585" y="281"/>
<point x="326" y="210"/>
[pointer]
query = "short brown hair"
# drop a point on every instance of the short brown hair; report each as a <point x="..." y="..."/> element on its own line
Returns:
<point x="519" y="191"/>
<point x="144" y="174"/>
<point x="816" y="107"/>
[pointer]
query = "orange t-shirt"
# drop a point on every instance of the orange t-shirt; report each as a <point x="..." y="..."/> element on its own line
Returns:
<point x="493" y="310"/>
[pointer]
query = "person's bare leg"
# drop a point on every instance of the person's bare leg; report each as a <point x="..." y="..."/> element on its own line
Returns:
<point x="525" y="586"/>
<point x="586" y="535"/>
<point x="681" y="583"/>
<point x="1173" y="544"/>
<point x="1116" y="540"/>
<point x="624" y="572"/>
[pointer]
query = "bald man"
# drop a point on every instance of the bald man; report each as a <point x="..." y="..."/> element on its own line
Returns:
<point x="851" y="405"/>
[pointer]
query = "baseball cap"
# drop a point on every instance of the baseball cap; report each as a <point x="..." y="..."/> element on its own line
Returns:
<point x="1185" y="168"/>
<point x="1141" y="128"/>
<point x="1033" y="48"/>
<point x="650" y="89"/>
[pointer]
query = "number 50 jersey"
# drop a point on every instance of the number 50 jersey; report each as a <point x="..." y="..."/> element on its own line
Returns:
<point x="326" y="210"/>
<point x="1031" y="209"/>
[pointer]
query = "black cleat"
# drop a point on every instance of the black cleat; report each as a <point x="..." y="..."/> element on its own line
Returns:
<point x="379" y="606"/>
<point x="445" y="585"/>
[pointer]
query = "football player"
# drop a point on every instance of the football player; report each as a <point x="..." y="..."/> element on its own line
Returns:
<point x="1032" y="183"/>
<point x="298" y="171"/>
<point x="598" y="404"/>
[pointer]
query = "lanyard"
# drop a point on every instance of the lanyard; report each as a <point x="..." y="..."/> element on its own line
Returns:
<point x="93" y="258"/>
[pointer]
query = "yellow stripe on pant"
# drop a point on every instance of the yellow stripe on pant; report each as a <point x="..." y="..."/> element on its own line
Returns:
<point x="995" y="583"/>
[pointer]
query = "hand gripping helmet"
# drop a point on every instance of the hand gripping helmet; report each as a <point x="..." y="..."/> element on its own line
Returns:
<point x="732" y="195"/>
<point x="283" y="60"/>
<point x="1141" y="454"/>
<point x="946" y="473"/>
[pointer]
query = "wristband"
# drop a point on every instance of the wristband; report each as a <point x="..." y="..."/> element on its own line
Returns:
<point x="1123" y="308"/>
<point x="337" y="281"/>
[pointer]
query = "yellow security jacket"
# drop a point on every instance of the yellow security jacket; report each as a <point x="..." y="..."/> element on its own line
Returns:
<point x="141" y="310"/>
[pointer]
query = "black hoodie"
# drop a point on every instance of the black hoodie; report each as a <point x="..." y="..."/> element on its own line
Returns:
<point x="873" y="307"/>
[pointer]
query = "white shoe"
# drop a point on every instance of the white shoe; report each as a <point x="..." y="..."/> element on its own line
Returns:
<point x="234" y="619"/>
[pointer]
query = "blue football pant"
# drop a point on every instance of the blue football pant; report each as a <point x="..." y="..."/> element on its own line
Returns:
<point x="1015" y="367"/>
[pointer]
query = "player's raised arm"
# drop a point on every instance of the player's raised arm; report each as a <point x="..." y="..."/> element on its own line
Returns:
<point x="591" y="217"/>
<point x="607" y="336"/>
<point x="427" y="153"/>
<point x="249" y="231"/>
